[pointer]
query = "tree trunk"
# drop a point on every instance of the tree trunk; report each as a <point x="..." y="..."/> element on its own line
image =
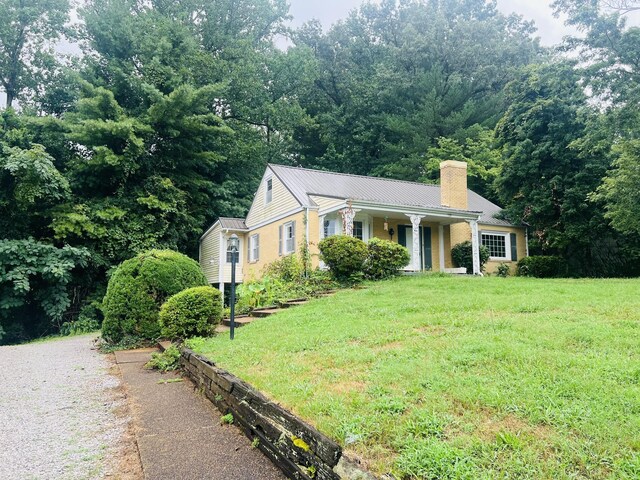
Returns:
<point x="10" y="97"/>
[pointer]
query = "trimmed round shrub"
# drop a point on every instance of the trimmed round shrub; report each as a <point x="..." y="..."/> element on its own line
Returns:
<point x="462" y="256"/>
<point x="137" y="289"/>
<point x="344" y="255"/>
<point x="541" y="266"/>
<point x="385" y="259"/>
<point x="193" y="312"/>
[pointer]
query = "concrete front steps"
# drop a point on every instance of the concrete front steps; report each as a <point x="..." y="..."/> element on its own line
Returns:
<point x="243" y="320"/>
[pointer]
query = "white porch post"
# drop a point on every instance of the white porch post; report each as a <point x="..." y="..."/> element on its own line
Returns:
<point x="475" y="243"/>
<point x="441" y="245"/>
<point x="321" y="227"/>
<point x="348" y="214"/>
<point x="415" y="223"/>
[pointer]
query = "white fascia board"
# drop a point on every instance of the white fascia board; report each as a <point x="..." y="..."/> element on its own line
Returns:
<point x="275" y="219"/>
<point x="431" y="211"/>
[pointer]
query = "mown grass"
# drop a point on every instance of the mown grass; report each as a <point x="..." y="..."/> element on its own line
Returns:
<point x="460" y="378"/>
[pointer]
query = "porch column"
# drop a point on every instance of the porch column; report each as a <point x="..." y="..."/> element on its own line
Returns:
<point x="441" y="245"/>
<point x="475" y="243"/>
<point x="348" y="214"/>
<point x="321" y="221"/>
<point x="415" y="223"/>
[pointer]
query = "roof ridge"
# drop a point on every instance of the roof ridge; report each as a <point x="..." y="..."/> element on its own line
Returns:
<point x="353" y="175"/>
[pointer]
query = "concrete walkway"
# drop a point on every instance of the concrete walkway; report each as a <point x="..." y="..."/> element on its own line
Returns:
<point x="179" y="433"/>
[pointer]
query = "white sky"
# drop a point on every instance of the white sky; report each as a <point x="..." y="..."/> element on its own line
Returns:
<point x="550" y="29"/>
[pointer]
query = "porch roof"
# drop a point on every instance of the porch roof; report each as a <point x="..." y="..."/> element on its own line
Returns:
<point x="303" y="183"/>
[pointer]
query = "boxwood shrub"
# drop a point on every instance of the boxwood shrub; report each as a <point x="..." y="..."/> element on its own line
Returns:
<point x="542" y="266"/>
<point x="192" y="312"/>
<point x="344" y="255"/>
<point x="384" y="259"/>
<point x="137" y="289"/>
<point x="462" y="256"/>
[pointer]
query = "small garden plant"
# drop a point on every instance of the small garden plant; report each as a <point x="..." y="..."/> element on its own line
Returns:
<point x="282" y="280"/>
<point x="166" y="361"/>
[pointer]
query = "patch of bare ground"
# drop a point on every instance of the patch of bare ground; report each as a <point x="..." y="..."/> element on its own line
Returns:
<point x="488" y="424"/>
<point x="125" y="463"/>
<point x="348" y="386"/>
<point x="434" y="330"/>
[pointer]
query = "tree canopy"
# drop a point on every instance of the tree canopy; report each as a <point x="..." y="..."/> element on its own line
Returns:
<point x="168" y="116"/>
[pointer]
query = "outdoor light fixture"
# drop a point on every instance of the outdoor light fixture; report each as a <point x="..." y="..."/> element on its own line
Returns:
<point x="233" y="244"/>
<point x="391" y="232"/>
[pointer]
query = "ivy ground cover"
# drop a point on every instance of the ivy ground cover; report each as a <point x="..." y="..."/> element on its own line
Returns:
<point x="460" y="378"/>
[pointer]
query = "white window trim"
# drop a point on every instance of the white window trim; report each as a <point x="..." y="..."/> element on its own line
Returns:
<point x="507" y="244"/>
<point x="286" y="239"/>
<point x="268" y="200"/>
<point x="254" y="244"/>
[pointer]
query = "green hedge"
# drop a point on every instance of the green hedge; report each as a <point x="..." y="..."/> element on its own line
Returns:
<point x="462" y="256"/>
<point x="384" y="259"/>
<point x="542" y="266"/>
<point x="193" y="312"/>
<point x="344" y="255"/>
<point x="138" y="288"/>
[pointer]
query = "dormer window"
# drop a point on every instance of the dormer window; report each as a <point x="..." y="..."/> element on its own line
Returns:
<point x="269" y="191"/>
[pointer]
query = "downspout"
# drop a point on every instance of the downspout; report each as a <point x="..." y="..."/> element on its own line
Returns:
<point x="307" y="241"/>
<point x="526" y="240"/>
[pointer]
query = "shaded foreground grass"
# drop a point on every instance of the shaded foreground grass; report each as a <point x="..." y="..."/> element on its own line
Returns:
<point x="460" y="378"/>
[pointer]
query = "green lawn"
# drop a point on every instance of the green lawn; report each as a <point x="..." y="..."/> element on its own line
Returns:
<point x="460" y="378"/>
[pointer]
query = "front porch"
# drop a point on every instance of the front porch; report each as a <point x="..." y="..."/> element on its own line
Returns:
<point x="427" y="233"/>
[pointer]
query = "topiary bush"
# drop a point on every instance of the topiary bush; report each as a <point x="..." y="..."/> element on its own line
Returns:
<point x="137" y="289"/>
<point x="192" y="312"/>
<point x="542" y="266"/>
<point x="384" y="259"/>
<point x="344" y="255"/>
<point x="462" y="256"/>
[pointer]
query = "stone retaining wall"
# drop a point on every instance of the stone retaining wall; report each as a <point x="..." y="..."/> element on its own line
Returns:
<point x="302" y="452"/>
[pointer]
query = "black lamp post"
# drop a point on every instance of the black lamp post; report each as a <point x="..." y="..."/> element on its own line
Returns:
<point x="233" y="244"/>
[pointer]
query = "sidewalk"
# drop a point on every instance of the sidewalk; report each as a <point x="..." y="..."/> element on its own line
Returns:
<point x="179" y="433"/>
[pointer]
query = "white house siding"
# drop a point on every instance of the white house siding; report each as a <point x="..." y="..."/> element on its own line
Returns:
<point x="210" y="254"/>
<point x="282" y="202"/>
<point x="326" y="203"/>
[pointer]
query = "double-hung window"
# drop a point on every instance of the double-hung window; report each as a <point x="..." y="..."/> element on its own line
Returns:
<point x="287" y="234"/>
<point x="230" y="255"/>
<point x="358" y="230"/>
<point x="254" y="248"/>
<point x="330" y="227"/>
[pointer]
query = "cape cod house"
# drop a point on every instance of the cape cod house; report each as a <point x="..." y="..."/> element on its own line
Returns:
<point x="294" y="205"/>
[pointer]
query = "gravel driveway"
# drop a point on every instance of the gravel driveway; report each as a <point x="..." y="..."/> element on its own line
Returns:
<point x="58" y="406"/>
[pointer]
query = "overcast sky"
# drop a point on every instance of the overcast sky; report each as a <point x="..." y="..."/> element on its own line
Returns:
<point x="550" y="29"/>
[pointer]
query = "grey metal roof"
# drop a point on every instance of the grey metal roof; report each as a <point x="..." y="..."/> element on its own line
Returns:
<point x="232" y="223"/>
<point x="303" y="182"/>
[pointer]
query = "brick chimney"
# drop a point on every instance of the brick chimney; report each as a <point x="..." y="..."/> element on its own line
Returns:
<point x="453" y="194"/>
<point x="453" y="184"/>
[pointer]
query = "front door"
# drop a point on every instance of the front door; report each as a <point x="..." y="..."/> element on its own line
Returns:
<point x="405" y="238"/>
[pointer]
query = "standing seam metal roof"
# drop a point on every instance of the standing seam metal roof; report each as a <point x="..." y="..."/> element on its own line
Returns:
<point x="303" y="182"/>
<point x="232" y="223"/>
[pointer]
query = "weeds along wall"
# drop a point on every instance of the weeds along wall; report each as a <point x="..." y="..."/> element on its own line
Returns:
<point x="298" y="449"/>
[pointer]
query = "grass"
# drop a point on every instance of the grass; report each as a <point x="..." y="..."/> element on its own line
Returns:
<point x="460" y="378"/>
